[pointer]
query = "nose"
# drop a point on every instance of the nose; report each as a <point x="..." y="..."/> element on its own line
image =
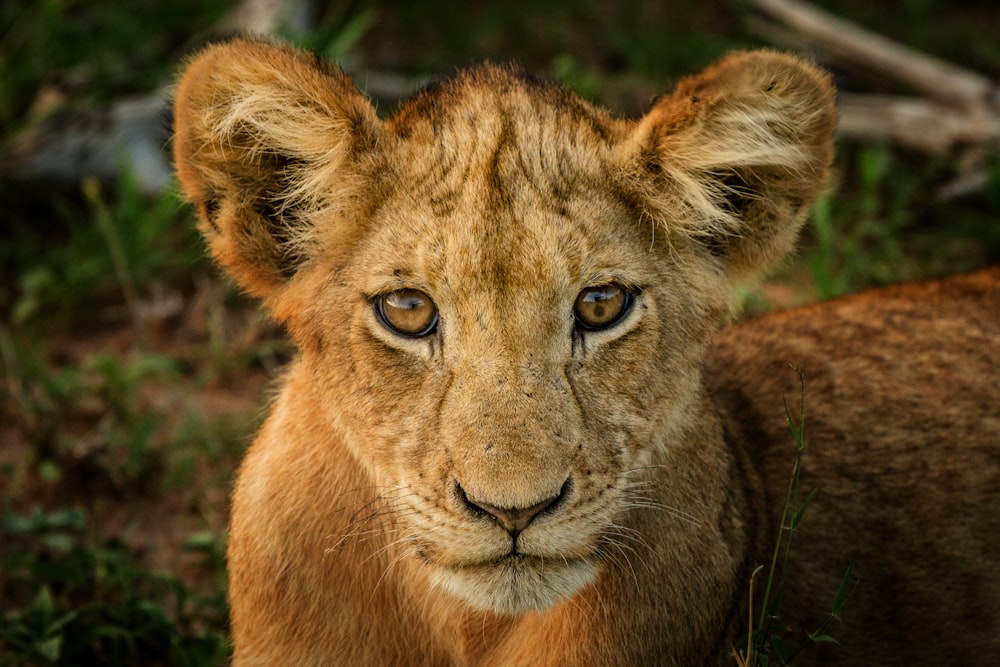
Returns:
<point x="512" y="519"/>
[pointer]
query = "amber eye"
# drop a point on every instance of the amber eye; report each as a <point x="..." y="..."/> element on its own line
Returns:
<point x="407" y="312"/>
<point x="602" y="306"/>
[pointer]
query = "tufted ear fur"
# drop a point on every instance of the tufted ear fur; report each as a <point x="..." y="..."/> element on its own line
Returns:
<point x="736" y="155"/>
<point x="270" y="145"/>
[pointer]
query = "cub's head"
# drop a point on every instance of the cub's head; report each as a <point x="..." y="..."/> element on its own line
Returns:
<point x="501" y="294"/>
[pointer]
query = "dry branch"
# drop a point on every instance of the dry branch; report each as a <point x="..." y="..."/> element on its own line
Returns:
<point x="919" y="124"/>
<point x="958" y="107"/>
<point x="849" y="44"/>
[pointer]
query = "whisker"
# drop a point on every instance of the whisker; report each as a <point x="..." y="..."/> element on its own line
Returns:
<point x="619" y="554"/>
<point x="385" y="572"/>
<point x="645" y="503"/>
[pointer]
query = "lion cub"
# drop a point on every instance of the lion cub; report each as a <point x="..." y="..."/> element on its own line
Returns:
<point x="509" y="438"/>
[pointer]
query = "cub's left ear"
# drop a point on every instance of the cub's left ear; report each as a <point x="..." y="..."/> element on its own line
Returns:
<point x="735" y="156"/>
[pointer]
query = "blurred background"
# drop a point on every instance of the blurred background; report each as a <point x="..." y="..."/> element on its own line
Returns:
<point x="132" y="376"/>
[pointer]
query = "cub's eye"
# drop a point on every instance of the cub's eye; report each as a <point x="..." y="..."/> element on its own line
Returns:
<point x="407" y="312"/>
<point x="602" y="307"/>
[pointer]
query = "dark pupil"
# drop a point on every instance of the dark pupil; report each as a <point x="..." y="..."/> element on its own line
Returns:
<point x="597" y="309"/>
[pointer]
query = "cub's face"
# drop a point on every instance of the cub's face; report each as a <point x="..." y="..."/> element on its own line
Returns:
<point x="501" y="294"/>
<point x="508" y="318"/>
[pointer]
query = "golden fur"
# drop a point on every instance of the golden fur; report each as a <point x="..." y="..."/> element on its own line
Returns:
<point x="516" y="489"/>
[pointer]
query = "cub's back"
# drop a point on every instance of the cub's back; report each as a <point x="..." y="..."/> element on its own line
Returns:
<point x="885" y="374"/>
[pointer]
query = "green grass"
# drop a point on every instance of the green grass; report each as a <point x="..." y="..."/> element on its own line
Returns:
<point x="770" y="639"/>
<point x="94" y="250"/>
<point x="118" y="407"/>
<point x="77" y="600"/>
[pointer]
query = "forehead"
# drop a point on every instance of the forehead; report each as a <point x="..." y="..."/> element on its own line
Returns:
<point x="498" y="180"/>
<point x="515" y="141"/>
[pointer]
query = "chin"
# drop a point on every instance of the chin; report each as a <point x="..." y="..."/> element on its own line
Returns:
<point x="516" y="584"/>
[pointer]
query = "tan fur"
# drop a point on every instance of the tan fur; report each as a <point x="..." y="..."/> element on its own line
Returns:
<point x="357" y="532"/>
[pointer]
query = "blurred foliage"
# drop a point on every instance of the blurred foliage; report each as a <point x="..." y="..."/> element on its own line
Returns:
<point x="72" y="600"/>
<point x="92" y="250"/>
<point x="90" y="50"/>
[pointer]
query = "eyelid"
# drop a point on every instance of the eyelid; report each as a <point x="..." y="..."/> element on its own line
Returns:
<point x="631" y="283"/>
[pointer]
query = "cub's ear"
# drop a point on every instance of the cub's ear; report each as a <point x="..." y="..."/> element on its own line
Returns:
<point x="736" y="155"/>
<point x="269" y="145"/>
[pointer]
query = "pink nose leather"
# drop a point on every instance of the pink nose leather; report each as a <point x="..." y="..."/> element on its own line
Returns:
<point x="512" y="519"/>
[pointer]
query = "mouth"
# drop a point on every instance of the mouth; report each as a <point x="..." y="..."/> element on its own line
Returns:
<point x="516" y="583"/>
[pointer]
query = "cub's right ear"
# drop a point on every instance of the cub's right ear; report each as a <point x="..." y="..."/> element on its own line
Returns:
<point x="270" y="145"/>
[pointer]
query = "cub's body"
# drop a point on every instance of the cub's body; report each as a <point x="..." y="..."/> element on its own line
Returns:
<point x="902" y="430"/>
<point x="509" y="439"/>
